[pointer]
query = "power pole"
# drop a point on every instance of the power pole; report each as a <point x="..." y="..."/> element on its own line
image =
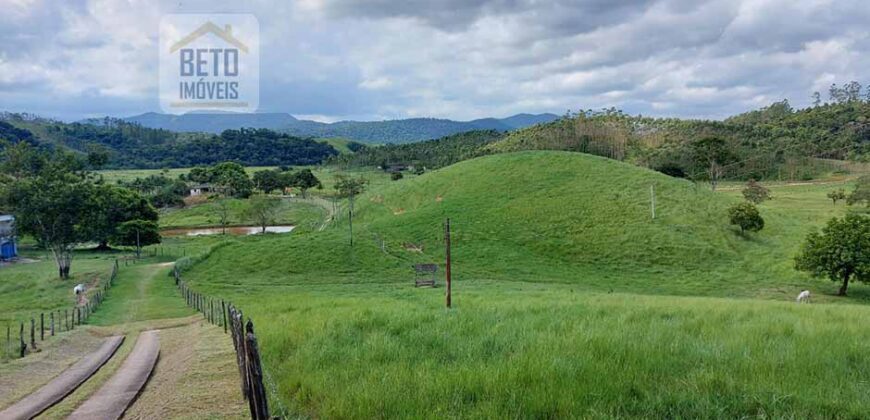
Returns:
<point x="447" y="270"/>
<point x="350" y="218"/>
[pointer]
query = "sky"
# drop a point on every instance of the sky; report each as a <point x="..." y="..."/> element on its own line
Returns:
<point x="384" y="59"/>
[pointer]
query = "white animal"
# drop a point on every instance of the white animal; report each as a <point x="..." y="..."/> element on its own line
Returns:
<point x="80" y="288"/>
<point x="804" y="297"/>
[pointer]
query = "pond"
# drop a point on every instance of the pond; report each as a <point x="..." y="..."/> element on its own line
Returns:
<point x="235" y="230"/>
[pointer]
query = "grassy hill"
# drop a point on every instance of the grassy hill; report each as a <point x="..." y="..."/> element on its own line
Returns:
<point x="544" y="217"/>
<point x="540" y="241"/>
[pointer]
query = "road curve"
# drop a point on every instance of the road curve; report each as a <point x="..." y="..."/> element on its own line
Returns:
<point x="121" y="390"/>
<point x="64" y="384"/>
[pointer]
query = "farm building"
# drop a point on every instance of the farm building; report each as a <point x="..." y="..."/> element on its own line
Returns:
<point x="200" y="189"/>
<point x="8" y="249"/>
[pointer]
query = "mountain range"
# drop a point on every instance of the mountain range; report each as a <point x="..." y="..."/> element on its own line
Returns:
<point x="390" y="131"/>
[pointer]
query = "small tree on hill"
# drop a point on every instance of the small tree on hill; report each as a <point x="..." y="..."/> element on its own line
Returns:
<point x="746" y="216"/>
<point x="350" y="188"/>
<point x="263" y="210"/>
<point x="837" y="195"/>
<point x="841" y="252"/>
<point x="755" y="193"/>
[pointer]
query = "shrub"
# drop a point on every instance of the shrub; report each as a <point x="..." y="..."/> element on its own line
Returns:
<point x="746" y="216"/>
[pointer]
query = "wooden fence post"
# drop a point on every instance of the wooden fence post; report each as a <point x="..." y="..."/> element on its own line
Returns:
<point x="32" y="333"/>
<point x="66" y="319"/>
<point x="52" y="323"/>
<point x="23" y="346"/>
<point x="257" y="402"/>
<point x="224" y="315"/>
<point x="42" y="326"/>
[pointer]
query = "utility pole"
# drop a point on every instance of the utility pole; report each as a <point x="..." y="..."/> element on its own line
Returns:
<point x="138" y="249"/>
<point x="447" y="270"/>
<point x="350" y="218"/>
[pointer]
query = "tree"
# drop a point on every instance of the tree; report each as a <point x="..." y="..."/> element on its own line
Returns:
<point x="861" y="192"/>
<point x="222" y="210"/>
<point x="837" y="195"/>
<point x="263" y="210"/>
<point x="232" y="179"/>
<point x="55" y="207"/>
<point x="712" y="153"/>
<point x="268" y="180"/>
<point x="98" y="156"/>
<point x="841" y="251"/>
<point x="755" y="193"/>
<point x="746" y="216"/>
<point x="116" y="206"/>
<point x="305" y="180"/>
<point x="350" y="187"/>
<point x="137" y="233"/>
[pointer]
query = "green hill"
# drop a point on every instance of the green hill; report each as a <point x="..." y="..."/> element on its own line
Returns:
<point x="538" y="216"/>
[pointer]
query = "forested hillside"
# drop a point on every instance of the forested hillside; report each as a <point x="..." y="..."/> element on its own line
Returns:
<point x="775" y="142"/>
<point x="429" y="154"/>
<point x="119" y="144"/>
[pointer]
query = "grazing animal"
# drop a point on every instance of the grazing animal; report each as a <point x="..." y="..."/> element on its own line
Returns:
<point x="804" y="297"/>
<point x="79" y="289"/>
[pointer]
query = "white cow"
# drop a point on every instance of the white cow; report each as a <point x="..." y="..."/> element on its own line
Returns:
<point x="804" y="297"/>
<point x="79" y="289"/>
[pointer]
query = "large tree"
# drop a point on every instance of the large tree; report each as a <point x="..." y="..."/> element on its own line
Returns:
<point x="713" y="154"/>
<point x="231" y="178"/>
<point x="305" y="180"/>
<point x="137" y="233"/>
<point x="268" y="180"/>
<point x="118" y="205"/>
<point x="840" y="252"/>
<point x="56" y="208"/>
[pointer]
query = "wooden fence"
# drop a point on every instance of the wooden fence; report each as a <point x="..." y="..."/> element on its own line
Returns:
<point x="224" y="314"/>
<point x="56" y="321"/>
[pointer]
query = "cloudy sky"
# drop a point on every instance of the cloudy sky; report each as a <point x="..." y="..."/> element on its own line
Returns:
<point x="460" y="59"/>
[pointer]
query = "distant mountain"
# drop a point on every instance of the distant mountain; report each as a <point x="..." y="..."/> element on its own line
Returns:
<point x="392" y="131"/>
<point x="211" y="122"/>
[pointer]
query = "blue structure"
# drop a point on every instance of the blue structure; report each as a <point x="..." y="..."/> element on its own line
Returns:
<point x="8" y="248"/>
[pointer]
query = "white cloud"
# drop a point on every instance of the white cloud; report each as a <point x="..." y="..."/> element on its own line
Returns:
<point x="458" y="59"/>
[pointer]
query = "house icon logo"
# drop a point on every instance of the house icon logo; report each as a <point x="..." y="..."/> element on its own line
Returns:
<point x="209" y="62"/>
<point x="210" y="28"/>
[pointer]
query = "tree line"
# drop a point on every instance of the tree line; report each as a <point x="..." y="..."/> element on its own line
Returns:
<point x="119" y="144"/>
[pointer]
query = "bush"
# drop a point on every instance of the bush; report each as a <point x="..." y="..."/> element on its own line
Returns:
<point x="395" y="176"/>
<point x="755" y="193"/>
<point x="746" y="216"/>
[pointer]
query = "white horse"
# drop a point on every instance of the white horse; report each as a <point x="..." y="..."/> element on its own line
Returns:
<point x="804" y="297"/>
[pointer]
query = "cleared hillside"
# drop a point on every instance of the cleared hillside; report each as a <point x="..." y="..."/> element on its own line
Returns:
<point x="539" y="216"/>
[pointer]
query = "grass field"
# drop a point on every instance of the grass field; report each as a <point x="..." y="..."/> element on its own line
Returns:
<point x="569" y="301"/>
<point x="291" y="212"/>
<point x="28" y="288"/>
